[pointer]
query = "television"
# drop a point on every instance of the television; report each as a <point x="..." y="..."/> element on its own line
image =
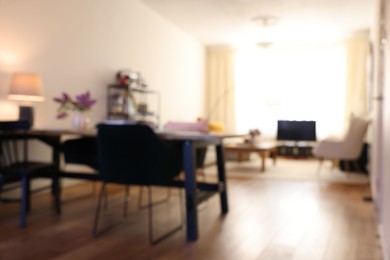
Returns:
<point x="292" y="130"/>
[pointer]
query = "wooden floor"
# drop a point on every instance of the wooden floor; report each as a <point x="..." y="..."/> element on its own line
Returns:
<point x="267" y="220"/>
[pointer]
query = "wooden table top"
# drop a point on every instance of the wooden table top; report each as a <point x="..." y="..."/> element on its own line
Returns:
<point x="261" y="146"/>
<point x="170" y="135"/>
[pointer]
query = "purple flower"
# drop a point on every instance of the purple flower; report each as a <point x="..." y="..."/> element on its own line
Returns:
<point x="64" y="99"/>
<point x="82" y="102"/>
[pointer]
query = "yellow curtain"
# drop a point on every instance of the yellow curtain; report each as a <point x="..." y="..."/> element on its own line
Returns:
<point x="220" y="104"/>
<point x="358" y="49"/>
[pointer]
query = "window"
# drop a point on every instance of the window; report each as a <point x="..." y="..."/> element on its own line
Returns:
<point x="291" y="84"/>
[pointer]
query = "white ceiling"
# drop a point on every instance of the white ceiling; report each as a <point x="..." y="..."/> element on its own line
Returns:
<point x="221" y="22"/>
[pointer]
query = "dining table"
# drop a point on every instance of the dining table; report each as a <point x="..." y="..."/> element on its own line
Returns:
<point x="195" y="191"/>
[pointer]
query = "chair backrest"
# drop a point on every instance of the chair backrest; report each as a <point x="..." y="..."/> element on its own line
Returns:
<point x="134" y="154"/>
<point x="13" y="142"/>
<point x="354" y="137"/>
<point x="81" y="151"/>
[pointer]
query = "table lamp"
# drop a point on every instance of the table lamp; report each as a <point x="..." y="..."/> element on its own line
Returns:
<point x="27" y="88"/>
<point x="9" y="111"/>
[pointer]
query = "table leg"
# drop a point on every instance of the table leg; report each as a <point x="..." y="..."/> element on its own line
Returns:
<point x="239" y="156"/>
<point x="262" y="165"/>
<point x="56" y="186"/>
<point x="274" y="155"/>
<point x="222" y="179"/>
<point x="190" y="190"/>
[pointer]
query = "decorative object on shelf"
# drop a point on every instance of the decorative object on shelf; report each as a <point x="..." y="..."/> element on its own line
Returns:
<point x="27" y="88"/>
<point x="81" y="106"/>
<point x="121" y="102"/>
<point x="142" y="108"/>
<point x="122" y="77"/>
<point x="125" y="77"/>
<point x="130" y="99"/>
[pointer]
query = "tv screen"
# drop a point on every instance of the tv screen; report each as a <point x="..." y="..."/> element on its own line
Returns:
<point x="285" y="131"/>
<point x="296" y="130"/>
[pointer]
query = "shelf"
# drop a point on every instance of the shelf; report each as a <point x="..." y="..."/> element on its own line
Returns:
<point x="133" y="103"/>
<point x="143" y="90"/>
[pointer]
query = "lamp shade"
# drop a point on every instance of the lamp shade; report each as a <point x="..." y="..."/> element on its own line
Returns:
<point x="26" y="87"/>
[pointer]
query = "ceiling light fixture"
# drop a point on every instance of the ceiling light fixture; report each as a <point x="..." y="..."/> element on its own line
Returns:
<point x="264" y="44"/>
<point x="265" y="22"/>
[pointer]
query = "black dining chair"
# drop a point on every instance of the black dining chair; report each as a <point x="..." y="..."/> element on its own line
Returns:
<point x="16" y="168"/>
<point x="135" y="155"/>
<point x="81" y="151"/>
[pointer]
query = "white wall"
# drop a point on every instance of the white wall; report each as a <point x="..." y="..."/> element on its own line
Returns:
<point x="79" y="45"/>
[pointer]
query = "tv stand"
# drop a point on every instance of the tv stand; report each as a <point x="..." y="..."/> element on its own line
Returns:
<point x="295" y="149"/>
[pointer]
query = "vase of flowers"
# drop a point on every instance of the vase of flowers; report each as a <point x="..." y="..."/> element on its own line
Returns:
<point x="80" y="106"/>
<point x="254" y="135"/>
<point x="81" y="120"/>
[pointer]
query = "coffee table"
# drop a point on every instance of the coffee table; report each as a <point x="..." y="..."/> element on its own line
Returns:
<point x="263" y="149"/>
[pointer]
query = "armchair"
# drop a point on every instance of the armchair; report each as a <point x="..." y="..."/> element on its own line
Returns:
<point x="347" y="148"/>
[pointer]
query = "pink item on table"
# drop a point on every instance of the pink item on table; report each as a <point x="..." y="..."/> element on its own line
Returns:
<point x="201" y="126"/>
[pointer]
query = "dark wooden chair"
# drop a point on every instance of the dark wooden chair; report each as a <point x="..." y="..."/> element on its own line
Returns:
<point x="15" y="167"/>
<point x="135" y="155"/>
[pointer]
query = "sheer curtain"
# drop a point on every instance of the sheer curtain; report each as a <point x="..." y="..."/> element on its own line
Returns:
<point x="220" y="87"/>
<point x="300" y="83"/>
<point x="358" y="48"/>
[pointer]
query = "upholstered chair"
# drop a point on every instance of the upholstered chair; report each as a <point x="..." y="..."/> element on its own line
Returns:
<point x="347" y="148"/>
